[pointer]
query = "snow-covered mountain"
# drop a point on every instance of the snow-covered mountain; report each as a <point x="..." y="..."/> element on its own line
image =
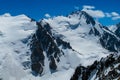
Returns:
<point x="73" y="47"/>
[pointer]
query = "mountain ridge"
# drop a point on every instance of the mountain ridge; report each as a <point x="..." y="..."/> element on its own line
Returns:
<point x="86" y="28"/>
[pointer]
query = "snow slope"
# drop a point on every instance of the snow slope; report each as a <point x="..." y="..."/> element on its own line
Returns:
<point x="13" y="48"/>
<point x="76" y="32"/>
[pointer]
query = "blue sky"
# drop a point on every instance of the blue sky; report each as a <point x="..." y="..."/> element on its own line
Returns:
<point x="38" y="8"/>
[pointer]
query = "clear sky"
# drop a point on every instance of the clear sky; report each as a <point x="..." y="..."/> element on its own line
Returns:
<point x="38" y="8"/>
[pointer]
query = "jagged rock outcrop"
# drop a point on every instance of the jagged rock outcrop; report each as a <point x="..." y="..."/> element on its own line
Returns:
<point x="43" y="44"/>
<point x="105" y="69"/>
<point x="117" y="31"/>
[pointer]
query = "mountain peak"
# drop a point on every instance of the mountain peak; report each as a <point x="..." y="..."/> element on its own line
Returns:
<point x="6" y="15"/>
<point x="82" y="14"/>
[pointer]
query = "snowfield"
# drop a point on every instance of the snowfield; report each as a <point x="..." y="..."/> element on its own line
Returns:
<point x="13" y="51"/>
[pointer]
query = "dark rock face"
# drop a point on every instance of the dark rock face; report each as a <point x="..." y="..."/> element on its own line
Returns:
<point x="89" y="19"/>
<point x="48" y="28"/>
<point x="117" y="32"/>
<point x="98" y="70"/>
<point x="109" y="42"/>
<point x="42" y="43"/>
<point x="63" y="43"/>
<point x="108" y="39"/>
<point x="37" y="56"/>
<point x="52" y="64"/>
<point x="94" y="31"/>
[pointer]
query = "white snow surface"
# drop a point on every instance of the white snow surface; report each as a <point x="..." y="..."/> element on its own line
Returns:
<point x="13" y="51"/>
